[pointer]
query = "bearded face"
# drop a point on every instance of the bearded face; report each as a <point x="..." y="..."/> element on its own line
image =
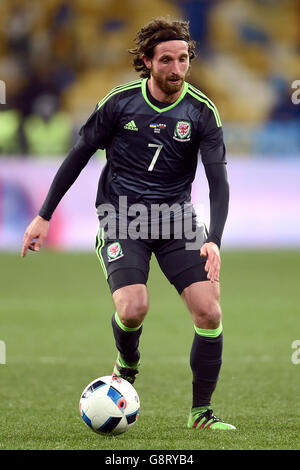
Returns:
<point x="169" y="67"/>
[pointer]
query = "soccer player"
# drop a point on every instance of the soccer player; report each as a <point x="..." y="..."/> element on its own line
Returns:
<point x="153" y="130"/>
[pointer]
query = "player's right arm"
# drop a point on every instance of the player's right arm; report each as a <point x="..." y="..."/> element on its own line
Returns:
<point x="68" y="172"/>
<point x="95" y="134"/>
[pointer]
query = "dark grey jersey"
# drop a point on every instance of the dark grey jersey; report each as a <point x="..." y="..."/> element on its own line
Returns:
<point x="152" y="148"/>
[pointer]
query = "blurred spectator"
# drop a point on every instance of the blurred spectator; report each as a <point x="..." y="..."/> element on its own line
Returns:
<point x="18" y="30"/>
<point x="9" y="131"/>
<point x="47" y="131"/>
<point x="38" y="82"/>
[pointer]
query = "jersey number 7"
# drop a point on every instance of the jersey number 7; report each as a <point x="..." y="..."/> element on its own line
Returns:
<point x="157" y="152"/>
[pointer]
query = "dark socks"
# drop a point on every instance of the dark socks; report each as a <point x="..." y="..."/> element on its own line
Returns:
<point x="127" y="340"/>
<point x="205" y="361"/>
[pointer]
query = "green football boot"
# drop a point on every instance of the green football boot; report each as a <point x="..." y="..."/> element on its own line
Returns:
<point x="201" y="418"/>
<point x="124" y="370"/>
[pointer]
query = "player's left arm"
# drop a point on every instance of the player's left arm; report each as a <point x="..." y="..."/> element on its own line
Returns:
<point x="213" y="155"/>
<point x="219" y="201"/>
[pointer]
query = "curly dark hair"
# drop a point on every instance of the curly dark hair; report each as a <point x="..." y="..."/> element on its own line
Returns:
<point x="158" y="30"/>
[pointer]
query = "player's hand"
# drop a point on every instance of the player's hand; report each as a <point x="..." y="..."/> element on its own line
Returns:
<point x="35" y="235"/>
<point x="213" y="263"/>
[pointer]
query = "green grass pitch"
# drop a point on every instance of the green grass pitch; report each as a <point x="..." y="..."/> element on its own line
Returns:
<point x="55" y="320"/>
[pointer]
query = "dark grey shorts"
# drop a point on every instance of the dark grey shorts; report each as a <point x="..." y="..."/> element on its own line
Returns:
<point x="127" y="261"/>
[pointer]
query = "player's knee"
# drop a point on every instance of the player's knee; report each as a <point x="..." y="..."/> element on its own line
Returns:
<point x="133" y="312"/>
<point x="208" y="315"/>
<point x="133" y="309"/>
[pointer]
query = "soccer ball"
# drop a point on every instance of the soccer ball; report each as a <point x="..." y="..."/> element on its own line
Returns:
<point x="109" y="405"/>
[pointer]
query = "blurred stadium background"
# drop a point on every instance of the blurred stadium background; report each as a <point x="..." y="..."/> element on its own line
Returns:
<point x="59" y="58"/>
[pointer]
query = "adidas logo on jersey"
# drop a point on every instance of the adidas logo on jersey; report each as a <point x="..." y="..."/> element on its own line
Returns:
<point x="131" y="126"/>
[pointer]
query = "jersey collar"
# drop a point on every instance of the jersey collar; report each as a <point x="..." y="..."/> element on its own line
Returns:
<point x="156" y="108"/>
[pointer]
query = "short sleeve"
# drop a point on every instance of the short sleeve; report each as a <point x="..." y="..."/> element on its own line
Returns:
<point x="98" y="129"/>
<point x="212" y="147"/>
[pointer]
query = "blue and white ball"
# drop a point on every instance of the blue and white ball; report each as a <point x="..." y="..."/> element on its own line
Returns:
<point x="109" y="405"/>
